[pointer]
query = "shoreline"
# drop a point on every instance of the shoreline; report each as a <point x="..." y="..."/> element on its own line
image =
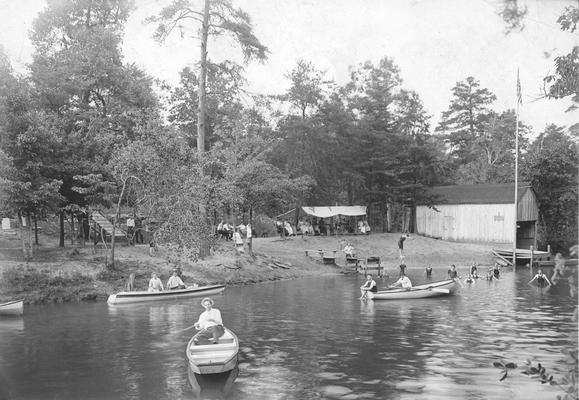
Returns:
<point x="78" y="274"/>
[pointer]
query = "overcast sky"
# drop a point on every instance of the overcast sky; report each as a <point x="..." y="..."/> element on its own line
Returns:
<point x="434" y="42"/>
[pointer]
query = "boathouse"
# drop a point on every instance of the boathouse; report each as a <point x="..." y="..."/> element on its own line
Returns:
<point x="480" y="213"/>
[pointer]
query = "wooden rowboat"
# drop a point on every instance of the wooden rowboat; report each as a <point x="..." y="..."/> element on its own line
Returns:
<point x="15" y="307"/>
<point x="145" y="296"/>
<point x="214" y="358"/>
<point x="432" y="289"/>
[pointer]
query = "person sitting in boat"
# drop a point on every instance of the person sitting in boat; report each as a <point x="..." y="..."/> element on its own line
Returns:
<point x="349" y="250"/>
<point x="474" y="272"/>
<point x="209" y="325"/>
<point x="155" y="284"/>
<point x="370" y="285"/>
<point x="541" y="279"/>
<point x="428" y="272"/>
<point x="452" y="274"/>
<point x="404" y="282"/>
<point x="175" y="281"/>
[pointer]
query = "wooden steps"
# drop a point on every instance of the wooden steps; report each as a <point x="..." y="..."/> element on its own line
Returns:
<point x="105" y="224"/>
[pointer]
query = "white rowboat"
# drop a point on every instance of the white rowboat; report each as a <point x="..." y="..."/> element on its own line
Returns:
<point x="15" y="307"/>
<point x="432" y="289"/>
<point x="145" y="296"/>
<point x="214" y="358"/>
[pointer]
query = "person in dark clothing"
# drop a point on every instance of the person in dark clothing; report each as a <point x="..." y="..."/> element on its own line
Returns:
<point x="402" y="270"/>
<point x="496" y="271"/>
<point x="452" y="274"/>
<point x="541" y="279"/>
<point x="428" y="272"/>
<point x="138" y="230"/>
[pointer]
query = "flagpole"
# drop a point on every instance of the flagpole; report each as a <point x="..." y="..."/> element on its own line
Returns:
<point x="516" y="170"/>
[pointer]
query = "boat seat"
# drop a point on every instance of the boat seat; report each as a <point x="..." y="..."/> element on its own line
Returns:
<point x="212" y="347"/>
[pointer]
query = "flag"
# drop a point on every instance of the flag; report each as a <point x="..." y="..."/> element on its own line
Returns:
<point x="519" y="96"/>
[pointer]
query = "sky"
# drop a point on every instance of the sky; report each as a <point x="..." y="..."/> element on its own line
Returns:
<point x="435" y="43"/>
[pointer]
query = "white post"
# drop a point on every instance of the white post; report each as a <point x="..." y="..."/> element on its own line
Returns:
<point x="516" y="170"/>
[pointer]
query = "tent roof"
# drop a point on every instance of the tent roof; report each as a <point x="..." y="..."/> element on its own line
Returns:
<point x="326" y="212"/>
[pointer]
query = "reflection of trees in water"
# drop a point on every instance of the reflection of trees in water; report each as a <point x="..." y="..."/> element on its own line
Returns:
<point x="215" y="386"/>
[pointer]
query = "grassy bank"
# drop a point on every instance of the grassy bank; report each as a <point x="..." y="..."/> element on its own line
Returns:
<point x="78" y="274"/>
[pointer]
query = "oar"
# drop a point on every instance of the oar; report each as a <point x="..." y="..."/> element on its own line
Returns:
<point x="186" y="329"/>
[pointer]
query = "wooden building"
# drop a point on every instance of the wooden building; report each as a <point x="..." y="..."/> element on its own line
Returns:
<point x="480" y="213"/>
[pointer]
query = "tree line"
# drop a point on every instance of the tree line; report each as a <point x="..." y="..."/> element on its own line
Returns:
<point x="83" y="129"/>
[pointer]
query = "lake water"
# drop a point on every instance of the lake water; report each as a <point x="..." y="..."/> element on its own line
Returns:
<point x="300" y="339"/>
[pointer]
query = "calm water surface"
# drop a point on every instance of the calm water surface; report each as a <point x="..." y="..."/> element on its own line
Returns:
<point x="302" y="339"/>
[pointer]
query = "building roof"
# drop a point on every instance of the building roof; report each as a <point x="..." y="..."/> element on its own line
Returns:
<point x="501" y="193"/>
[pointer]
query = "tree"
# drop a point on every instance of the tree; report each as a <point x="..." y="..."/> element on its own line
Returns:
<point x="565" y="81"/>
<point x="551" y="168"/>
<point x="464" y="121"/>
<point x="217" y="18"/>
<point x="93" y="100"/>
<point x="27" y="144"/>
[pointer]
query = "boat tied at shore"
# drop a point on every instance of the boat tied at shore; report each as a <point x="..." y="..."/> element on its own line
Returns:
<point x="12" y="308"/>
<point x="146" y="296"/>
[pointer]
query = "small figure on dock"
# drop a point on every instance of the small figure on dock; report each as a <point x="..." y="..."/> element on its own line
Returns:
<point x="428" y="272"/>
<point x="541" y="279"/>
<point x="209" y="325"/>
<point x="349" y="250"/>
<point x="155" y="284"/>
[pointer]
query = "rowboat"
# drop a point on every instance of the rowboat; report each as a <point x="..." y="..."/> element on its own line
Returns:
<point x="15" y="307"/>
<point x="145" y="296"/>
<point x="214" y="358"/>
<point x="432" y="289"/>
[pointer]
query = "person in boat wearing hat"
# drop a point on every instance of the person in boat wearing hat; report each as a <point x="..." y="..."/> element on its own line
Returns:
<point x="175" y="282"/>
<point x="209" y="325"/>
<point x="155" y="284"/>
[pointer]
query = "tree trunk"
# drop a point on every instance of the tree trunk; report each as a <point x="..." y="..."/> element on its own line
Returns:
<point x="61" y="239"/>
<point x="204" y="249"/>
<point x="72" y="231"/>
<point x="249" y="242"/>
<point x="35" y="230"/>
<point x="30" y="244"/>
<point x="203" y="81"/>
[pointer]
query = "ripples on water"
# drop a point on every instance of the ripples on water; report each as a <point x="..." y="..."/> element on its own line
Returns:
<point x="302" y="339"/>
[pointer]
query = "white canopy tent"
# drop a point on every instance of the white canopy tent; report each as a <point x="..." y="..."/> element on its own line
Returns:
<point x="327" y="212"/>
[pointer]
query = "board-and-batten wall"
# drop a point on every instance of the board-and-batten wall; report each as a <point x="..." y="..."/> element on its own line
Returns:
<point x="477" y="222"/>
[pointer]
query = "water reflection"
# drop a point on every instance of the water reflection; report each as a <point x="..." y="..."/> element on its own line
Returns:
<point x="299" y="339"/>
<point x="216" y="386"/>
